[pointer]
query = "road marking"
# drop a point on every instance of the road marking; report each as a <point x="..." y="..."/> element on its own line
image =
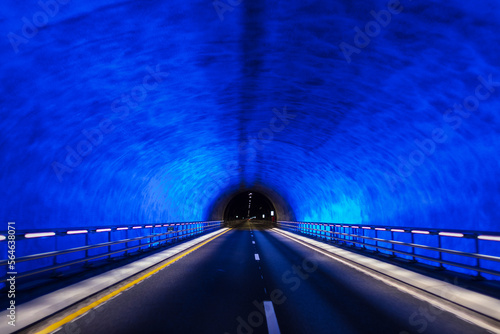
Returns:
<point x="80" y="316"/>
<point x="113" y="294"/>
<point x="257" y="258"/>
<point x="401" y="286"/>
<point x="272" y="322"/>
<point x="253" y="242"/>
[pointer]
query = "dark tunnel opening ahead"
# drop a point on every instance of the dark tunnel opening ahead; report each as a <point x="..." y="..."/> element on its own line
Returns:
<point x="250" y="205"/>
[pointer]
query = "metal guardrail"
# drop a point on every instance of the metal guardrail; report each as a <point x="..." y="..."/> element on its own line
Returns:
<point x="157" y="235"/>
<point x="359" y="235"/>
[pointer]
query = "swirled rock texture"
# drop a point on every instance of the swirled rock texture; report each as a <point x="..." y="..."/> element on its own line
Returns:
<point x="370" y="112"/>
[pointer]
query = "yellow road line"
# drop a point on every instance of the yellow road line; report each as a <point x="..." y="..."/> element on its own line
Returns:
<point x="87" y="308"/>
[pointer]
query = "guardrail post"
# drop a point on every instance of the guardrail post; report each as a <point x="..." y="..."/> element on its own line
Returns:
<point x="109" y="246"/>
<point x="364" y="240"/>
<point x="441" y="266"/>
<point x="413" y="248"/>
<point x="392" y="245"/>
<point x="54" y="260"/>
<point x="478" y="261"/>
<point x="86" y="263"/>
<point x="126" y="245"/>
<point x="54" y="273"/>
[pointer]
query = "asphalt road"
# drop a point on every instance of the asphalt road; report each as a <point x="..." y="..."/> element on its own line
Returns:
<point x="220" y="288"/>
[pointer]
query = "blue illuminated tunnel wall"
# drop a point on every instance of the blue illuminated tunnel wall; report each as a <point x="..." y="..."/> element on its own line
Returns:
<point x="368" y="112"/>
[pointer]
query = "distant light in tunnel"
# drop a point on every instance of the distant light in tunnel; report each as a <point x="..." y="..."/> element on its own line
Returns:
<point x="367" y="228"/>
<point x="450" y="234"/>
<point x="39" y="235"/>
<point x="122" y="228"/>
<point x="397" y="230"/>
<point x="489" y="237"/>
<point x="272" y="213"/>
<point x="103" y="230"/>
<point x="77" y="232"/>
<point x="149" y="226"/>
<point x="136" y="227"/>
<point x="263" y="216"/>
<point x="420" y="232"/>
<point x="2" y="237"/>
<point x="380" y="229"/>
<point x="157" y="225"/>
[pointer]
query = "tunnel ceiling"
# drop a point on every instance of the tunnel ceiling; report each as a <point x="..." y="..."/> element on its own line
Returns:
<point x="339" y="111"/>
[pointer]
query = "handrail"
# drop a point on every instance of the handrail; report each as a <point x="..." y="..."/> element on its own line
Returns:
<point x="357" y="239"/>
<point x="401" y="243"/>
<point x="178" y="230"/>
<point x="86" y="259"/>
<point x="431" y="230"/>
<point x="83" y="248"/>
<point x="21" y="234"/>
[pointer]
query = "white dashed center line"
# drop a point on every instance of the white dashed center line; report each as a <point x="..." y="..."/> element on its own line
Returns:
<point x="272" y="322"/>
<point x="257" y="258"/>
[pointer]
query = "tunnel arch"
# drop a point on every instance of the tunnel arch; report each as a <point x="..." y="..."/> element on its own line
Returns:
<point x="283" y="209"/>
<point x="376" y="140"/>
<point x="248" y="204"/>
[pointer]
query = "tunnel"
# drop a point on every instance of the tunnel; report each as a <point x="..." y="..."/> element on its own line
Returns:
<point x="334" y="115"/>
<point x="250" y="205"/>
<point x="356" y="113"/>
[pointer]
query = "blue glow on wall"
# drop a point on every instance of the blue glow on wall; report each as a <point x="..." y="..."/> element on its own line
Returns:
<point x="173" y="105"/>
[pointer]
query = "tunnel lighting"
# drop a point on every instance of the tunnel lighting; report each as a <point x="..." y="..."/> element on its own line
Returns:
<point x="166" y="225"/>
<point x="272" y="213"/>
<point x="355" y="226"/>
<point x="346" y="225"/>
<point x="149" y="226"/>
<point x="103" y="230"/>
<point x="77" y="232"/>
<point x="367" y="228"/>
<point x="263" y="216"/>
<point x="450" y="234"/>
<point x="2" y="237"/>
<point x="420" y="232"/>
<point x="380" y="228"/>
<point x="338" y="225"/>
<point x="39" y="235"/>
<point x="489" y="237"/>
<point x="397" y="230"/>
<point x="122" y="228"/>
<point x="136" y="227"/>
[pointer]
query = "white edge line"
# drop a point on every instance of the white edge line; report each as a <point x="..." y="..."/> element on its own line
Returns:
<point x="401" y="287"/>
<point x="272" y="322"/>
